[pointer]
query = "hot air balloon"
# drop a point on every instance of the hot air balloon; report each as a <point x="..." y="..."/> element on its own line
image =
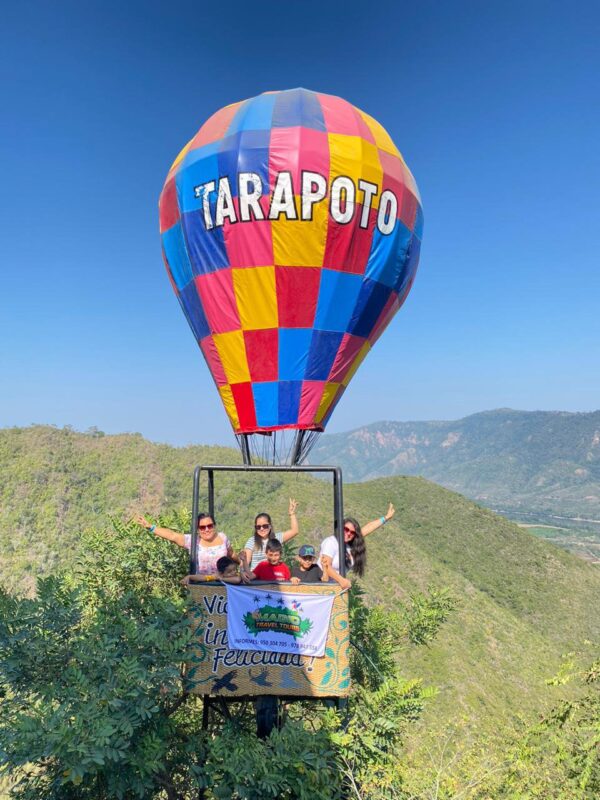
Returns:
<point x="291" y="229"/>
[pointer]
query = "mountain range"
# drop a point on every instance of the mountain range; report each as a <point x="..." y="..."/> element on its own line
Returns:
<point x="538" y="466"/>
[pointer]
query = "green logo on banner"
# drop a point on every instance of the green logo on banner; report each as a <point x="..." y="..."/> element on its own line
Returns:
<point x="279" y="620"/>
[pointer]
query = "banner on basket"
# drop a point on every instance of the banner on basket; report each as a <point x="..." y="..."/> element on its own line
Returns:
<point x="276" y="621"/>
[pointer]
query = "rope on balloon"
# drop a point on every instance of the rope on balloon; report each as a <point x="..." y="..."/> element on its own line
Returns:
<point x="278" y="448"/>
<point x="308" y="443"/>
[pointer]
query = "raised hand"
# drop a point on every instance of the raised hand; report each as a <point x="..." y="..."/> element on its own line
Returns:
<point x="140" y="520"/>
<point x="390" y="512"/>
<point x="292" y="507"/>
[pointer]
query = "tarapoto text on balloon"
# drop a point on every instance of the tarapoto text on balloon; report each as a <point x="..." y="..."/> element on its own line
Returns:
<point x="344" y="197"/>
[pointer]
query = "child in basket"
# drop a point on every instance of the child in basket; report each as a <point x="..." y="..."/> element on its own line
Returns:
<point x="307" y="570"/>
<point x="273" y="569"/>
<point x="227" y="570"/>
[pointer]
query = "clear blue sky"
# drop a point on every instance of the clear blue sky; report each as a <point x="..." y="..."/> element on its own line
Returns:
<point x="494" y="106"/>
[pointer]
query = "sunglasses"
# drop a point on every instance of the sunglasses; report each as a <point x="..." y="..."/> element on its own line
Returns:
<point x="263" y="527"/>
<point x="348" y="530"/>
<point x="208" y="527"/>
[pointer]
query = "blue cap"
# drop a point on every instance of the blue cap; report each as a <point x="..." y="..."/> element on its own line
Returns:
<point x="307" y="551"/>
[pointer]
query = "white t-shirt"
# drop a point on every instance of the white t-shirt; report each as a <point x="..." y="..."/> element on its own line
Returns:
<point x="260" y="555"/>
<point x="331" y="548"/>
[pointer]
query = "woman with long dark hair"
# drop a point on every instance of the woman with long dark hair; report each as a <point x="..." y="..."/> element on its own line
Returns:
<point x="254" y="549"/>
<point x="355" y="549"/>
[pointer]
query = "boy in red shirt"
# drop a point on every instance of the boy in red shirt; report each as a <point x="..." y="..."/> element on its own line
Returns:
<point x="273" y="569"/>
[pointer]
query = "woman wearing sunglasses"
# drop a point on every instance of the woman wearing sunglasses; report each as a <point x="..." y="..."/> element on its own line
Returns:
<point x="356" y="551"/>
<point x="211" y="545"/>
<point x="255" y="548"/>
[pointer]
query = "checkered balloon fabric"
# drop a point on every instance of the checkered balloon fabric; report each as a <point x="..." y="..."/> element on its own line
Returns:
<point x="291" y="230"/>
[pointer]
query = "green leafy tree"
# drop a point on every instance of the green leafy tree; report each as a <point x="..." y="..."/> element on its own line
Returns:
<point x="90" y="693"/>
<point x="94" y="704"/>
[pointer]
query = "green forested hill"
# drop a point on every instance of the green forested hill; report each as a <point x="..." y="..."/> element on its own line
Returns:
<point x="521" y="602"/>
<point x="541" y="463"/>
<point x="55" y="482"/>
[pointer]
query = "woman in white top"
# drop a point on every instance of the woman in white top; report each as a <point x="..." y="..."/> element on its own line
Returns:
<point x="356" y="551"/>
<point x="211" y="545"/>
<point x="254" y="549"/>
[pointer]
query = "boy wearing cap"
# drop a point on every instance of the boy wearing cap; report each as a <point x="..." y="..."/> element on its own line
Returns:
<point x="307" y="569"/>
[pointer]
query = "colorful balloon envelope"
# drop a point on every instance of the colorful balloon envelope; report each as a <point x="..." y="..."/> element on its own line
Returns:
<point x="291" y="230"/>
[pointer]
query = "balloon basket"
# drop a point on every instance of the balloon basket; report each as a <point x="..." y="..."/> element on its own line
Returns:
<point x="229" y="678"/>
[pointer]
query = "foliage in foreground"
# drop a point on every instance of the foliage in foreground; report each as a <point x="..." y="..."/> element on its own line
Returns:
<point x="557" y="758"/>
<point x="93" y="706"/>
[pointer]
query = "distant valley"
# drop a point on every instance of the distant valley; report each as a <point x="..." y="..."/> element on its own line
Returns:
<point x="536" y="467"/>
